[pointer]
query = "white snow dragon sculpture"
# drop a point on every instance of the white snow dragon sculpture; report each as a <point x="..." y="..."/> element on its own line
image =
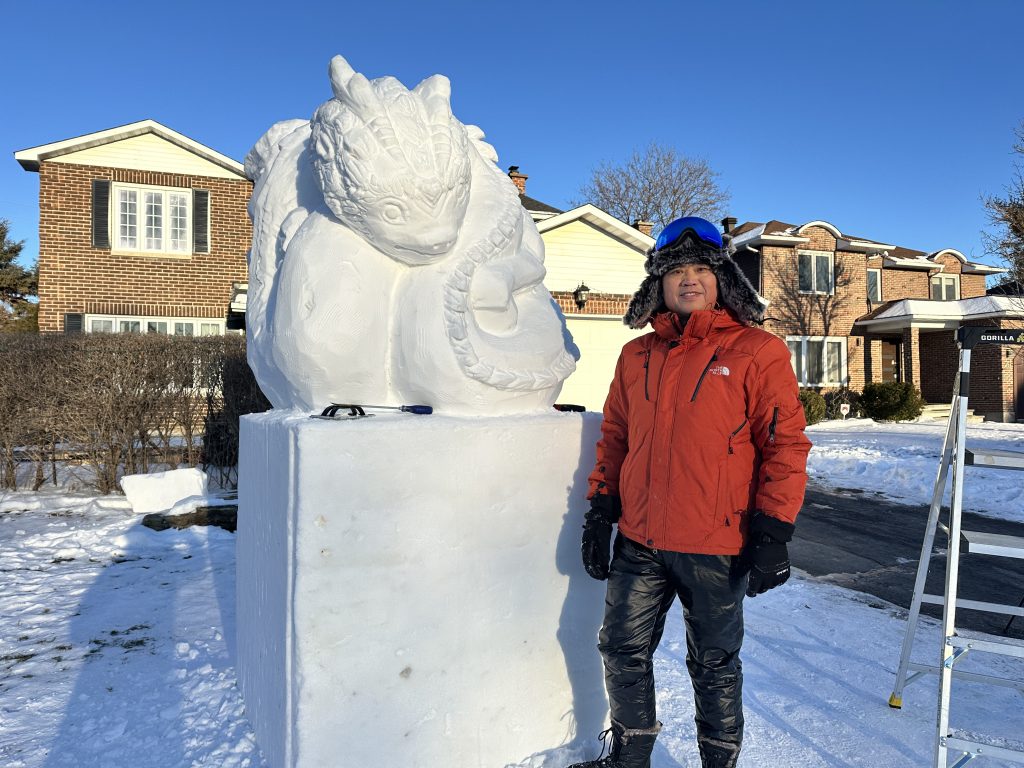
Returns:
<point x="392" y="261"/>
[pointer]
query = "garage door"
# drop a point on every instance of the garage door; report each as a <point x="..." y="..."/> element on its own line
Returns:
<point x="600" y="340"/>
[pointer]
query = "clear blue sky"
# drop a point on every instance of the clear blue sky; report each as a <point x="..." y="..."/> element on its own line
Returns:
<point x="888" y="119"/>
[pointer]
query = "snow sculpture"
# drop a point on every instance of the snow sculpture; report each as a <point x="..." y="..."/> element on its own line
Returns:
<point x="392" y="261"/>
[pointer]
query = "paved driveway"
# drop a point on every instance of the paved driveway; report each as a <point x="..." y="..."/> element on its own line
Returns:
<point x="868" y="543"/>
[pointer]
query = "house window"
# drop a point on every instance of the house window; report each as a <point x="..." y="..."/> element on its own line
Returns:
<point x="153" y="219"/>
<point x="818" y="361"/>
<point x="874" y="285"/>
<point x="127" y="217"/>
<point x="946" y="287"/>
<point x="162" y="325"/>
<point x="815" y="270"/>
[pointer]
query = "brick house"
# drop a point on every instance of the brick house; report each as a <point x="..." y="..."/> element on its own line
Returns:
<point x="854" y="310"/>
<point x="141" y="229"/>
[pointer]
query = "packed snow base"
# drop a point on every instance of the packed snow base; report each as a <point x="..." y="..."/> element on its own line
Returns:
<point x="116" y="642"/>
<point x="389" y="610"/>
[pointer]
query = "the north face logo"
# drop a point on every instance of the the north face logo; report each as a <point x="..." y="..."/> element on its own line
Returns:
<point x="719" y="370"/>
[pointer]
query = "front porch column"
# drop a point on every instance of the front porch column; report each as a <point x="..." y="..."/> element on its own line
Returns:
<point x="872" y="360"/>
<point x="912" y="356"/>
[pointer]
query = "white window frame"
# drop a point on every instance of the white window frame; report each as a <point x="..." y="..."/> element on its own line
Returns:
<point x="943" y="281"/>
<point x="140" y="219"/>
<point x="802" y="375"/>
<point x="213" y="326"/>
<point x="814" y="256"/>
<point x="867" y="285"/>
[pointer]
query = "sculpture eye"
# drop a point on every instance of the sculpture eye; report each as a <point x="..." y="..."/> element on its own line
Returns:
<point x="392" y="211"/>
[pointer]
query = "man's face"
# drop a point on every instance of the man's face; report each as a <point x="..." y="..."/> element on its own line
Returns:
<point x="689" y="288"/>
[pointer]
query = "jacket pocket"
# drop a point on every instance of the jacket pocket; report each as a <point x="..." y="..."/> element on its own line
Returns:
<point x="700" y="381"/>
<point x="634" y="478"/>
<point x="736" y="499"/>
<point x="698" y="484"/>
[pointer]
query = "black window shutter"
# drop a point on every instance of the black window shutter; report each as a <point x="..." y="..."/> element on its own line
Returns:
<point x="100" y="213"/>
<point x="74" y="323"/>
<point x="200" y="221"/>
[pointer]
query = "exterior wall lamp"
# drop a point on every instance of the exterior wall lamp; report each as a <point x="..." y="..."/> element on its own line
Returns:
<point x="580" y="296"/>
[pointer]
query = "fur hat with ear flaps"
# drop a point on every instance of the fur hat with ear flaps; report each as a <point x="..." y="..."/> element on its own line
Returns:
<point x="734" y="290"/>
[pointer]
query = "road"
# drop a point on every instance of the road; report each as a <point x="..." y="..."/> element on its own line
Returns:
<point x="866" y="542"/>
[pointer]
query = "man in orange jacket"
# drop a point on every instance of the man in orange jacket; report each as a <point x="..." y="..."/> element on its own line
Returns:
<point x="702" y="464"/>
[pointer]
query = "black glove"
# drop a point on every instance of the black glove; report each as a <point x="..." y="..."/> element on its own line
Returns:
<point x="604" y="511"/>
<point x="767" y="554"/>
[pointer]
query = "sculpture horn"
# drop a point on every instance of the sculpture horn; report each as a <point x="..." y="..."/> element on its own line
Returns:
<point x="340" y="73"/>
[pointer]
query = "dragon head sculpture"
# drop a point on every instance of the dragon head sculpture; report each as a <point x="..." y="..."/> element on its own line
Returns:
<point x="393" y="163"/>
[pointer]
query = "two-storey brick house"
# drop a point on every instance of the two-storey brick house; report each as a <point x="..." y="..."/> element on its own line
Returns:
<point x="141" y="229"/>
<point x="854" y="310"/>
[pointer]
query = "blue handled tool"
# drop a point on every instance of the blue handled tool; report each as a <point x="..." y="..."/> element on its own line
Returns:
<point x="418" y="409"/>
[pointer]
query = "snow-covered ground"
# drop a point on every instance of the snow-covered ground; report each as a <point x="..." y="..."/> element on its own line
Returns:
<point x="116" y="642"/>
<point x="901" y="461"/>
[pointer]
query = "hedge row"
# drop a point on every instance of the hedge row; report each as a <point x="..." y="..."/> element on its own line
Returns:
<point x="881" y="401"/>
<point x="121" y="404"/>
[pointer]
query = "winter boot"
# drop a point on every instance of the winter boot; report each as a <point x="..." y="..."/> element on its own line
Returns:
<point x="718" y="754"/>
<point x="630" y="748"/>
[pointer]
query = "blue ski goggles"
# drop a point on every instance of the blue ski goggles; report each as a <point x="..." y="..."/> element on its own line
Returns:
<point x="702" y="228"/>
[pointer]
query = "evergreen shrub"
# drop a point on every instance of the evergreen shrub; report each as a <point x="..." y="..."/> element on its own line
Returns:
<point x="837" y="397"/>
<point x="891" y="401"/>
<point x="814" y="406"/>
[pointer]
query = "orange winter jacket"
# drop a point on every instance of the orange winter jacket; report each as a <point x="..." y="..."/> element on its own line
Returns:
<point x="702" y="426"/>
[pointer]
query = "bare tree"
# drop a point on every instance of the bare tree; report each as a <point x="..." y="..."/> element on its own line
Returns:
<point x="804" y="313"/>
<point x="1006" y="215"/>
<point x="657" y="184"/>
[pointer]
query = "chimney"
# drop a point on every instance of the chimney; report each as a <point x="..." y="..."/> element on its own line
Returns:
<point x="519" y="179"/>
<point x="646" y="227"/>
<point x="728" y="224"/>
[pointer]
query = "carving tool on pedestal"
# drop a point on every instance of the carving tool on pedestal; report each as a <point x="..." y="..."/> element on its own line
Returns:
<point x="358" y="411"/>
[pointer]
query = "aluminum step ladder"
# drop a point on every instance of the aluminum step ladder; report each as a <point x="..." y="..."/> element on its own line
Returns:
<point x="955" y="457"/>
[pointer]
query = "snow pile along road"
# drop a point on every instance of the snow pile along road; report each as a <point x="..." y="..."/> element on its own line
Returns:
<point x="901" y="461"/>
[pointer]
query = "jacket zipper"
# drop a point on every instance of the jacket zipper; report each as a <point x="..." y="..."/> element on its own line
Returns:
<point x="647" y="367"/>
<point x="714" y="357"/>
<point x="648" y="541"/>
<point x="734" y="433"/>
<point x="771" y="427"/>
<point x="731" y="436"/>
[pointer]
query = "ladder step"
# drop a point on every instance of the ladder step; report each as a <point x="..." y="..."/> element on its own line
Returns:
<point x="994" y="459"/>
<point x="972" y="677"/>
<point x="983" y="543"/>
<point x="1006" y="647"/>
<point x="980" y="748"/>
<point x="976" y="605"/>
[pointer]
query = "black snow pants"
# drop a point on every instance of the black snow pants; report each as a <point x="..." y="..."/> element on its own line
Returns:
<point x="642" y="585"/>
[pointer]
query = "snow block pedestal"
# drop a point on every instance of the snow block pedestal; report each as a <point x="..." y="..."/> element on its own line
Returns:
<point x="410" y="592"/>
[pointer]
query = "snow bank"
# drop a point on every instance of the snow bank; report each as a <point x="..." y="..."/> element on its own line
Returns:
<point x="410" y="589"/>
<point x="159" y="491"/>
<point x="901" y="461"/>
